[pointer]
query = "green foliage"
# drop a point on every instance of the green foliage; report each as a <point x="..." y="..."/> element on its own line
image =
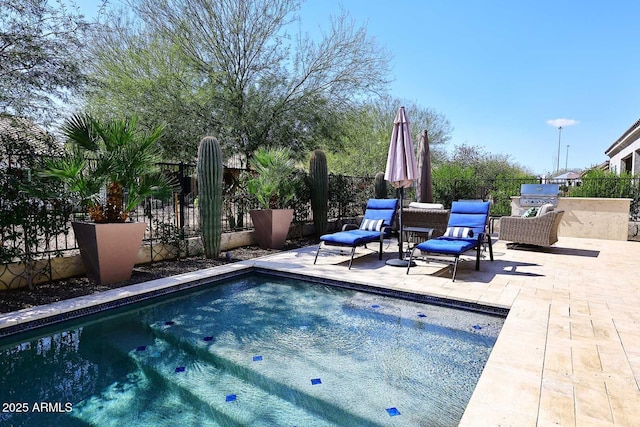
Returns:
<point x="171" y="237"/>
<point x="301" y="190"/>
<point x="231" y="68"/>
<point x="453" y="182"/>
<point x="367" y="130"/>
<point x="348" y="195"/>
<point x="234" y="195"/>
<point x="318" y="175"/>
<point x="339" y="195"/>
<point x="28" y="223"/>
<point x="112" y="155"/>
<point x="272" y="185"/>
<point x="486" y="165"/>
<point x="210" y="168"/>
<point x="29" y="219"/>
<point x="472" y="173"/>
<point x="598" y="183"/>
<point x="503" y="188"/>
<point x="151" y="77"/>
<point x="41" y="52"/>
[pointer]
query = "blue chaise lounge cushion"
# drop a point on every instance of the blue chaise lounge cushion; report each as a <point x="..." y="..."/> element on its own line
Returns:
<point x="351" y="237"/>
<point x="470" y="216"/>
<point x="448" y="245"/>
<point x="465" y="230"/>
<point x="376" y="226"/>
<point x="380" y="212"/>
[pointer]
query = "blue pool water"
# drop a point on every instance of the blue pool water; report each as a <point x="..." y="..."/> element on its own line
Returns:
<point x="256" y="351"/>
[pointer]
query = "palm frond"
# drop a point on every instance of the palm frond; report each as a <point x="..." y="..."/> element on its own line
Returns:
<point x="82" y="130"/>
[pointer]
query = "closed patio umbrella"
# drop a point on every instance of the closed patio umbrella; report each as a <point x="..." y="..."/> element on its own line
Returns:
<point x="425" y="185"/>
<point x="401" y="170"/>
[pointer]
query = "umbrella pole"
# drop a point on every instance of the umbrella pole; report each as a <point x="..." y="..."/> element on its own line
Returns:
<point x="400" y="233"/>
<point x="400" y="262"/>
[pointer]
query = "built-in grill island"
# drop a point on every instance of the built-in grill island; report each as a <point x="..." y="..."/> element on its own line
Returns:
<point x="536" y="195"/>
<point x="539" y="194"/>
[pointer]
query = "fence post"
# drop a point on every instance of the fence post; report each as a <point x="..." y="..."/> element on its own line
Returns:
<point x="181" y="197"/>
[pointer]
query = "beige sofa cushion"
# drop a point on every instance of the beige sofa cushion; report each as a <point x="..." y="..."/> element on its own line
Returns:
<point x="418" y="205"/>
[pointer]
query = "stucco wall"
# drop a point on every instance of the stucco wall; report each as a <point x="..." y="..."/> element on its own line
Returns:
<point x="589" y="217"/>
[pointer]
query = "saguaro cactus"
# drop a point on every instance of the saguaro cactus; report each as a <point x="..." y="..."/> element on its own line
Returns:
<point x="318" y="174"/>
<point x="210" y="194"/>
<point x="380" y="186"/>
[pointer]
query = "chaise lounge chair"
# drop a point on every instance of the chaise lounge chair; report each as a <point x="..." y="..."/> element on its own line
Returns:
<point x="375" y="226"/>
<point x="465" y="231"/>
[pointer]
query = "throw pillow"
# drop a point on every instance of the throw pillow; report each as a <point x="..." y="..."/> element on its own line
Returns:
<point x="459" y="232"/>
<point x="530" y="213"/>
<point x="371" y="224"/>
<point x="544" y="209"/>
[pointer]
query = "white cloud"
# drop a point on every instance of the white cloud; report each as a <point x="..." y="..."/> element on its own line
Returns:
<point x="556" y="123"/>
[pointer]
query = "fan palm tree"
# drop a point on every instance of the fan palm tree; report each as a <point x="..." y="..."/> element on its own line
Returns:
<point x="272" y="184"/>
<point x="105" y="160"/>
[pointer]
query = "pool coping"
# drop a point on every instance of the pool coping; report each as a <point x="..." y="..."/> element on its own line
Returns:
<point x="30" y="319"/>
<point x="569" y="350"/>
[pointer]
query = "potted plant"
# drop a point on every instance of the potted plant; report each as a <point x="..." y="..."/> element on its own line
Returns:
<point x="272" y="186"/>
<point x="108" y="169"/>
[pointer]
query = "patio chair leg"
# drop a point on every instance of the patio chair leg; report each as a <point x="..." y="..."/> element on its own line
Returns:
<point x="455" y="269"/>
<point x="490" y="248"/>
<point x="478" y="257"/>
<point x="353" y="251"/>
<point x="317" y="252"/>
<point x="410" y="259"/>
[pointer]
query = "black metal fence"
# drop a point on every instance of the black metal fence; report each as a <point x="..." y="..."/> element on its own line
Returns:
<point x="175" y="220"/>
<point x="347" y="196"/>
<point x="500" y="191"/>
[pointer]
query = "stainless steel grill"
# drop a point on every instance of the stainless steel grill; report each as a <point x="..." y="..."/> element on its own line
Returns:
<point x="538" y="194"/>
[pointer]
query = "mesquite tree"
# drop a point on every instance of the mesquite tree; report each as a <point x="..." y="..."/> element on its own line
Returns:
<point x="233" y="71"/>
<point x="41" y="56"/>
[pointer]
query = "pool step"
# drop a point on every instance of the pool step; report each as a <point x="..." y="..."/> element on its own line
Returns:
<point x="231" y="398"/>
<point x="274" y="380"/>
<point x="302" y="376"/>
<point x="196" y="390"/>
<point x="136" y="402"/>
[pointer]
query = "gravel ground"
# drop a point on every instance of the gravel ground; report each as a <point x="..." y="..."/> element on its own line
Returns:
<point x="16" y="299"/>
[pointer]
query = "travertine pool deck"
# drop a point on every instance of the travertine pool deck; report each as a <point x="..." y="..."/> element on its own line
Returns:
<point x="569" y="351"/>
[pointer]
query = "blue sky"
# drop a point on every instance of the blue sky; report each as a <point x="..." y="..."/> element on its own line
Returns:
<point x="499" y="70"/>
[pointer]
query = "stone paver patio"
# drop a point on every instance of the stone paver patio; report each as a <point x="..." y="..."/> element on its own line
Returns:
<point x="569" y="351"/>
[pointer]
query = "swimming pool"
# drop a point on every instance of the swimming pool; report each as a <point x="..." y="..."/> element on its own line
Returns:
<point x="256" y="350"/>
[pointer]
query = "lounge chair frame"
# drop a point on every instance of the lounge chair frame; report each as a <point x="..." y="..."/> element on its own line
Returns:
<point x="446" y="246"/>
<point x="353" y="237"/>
